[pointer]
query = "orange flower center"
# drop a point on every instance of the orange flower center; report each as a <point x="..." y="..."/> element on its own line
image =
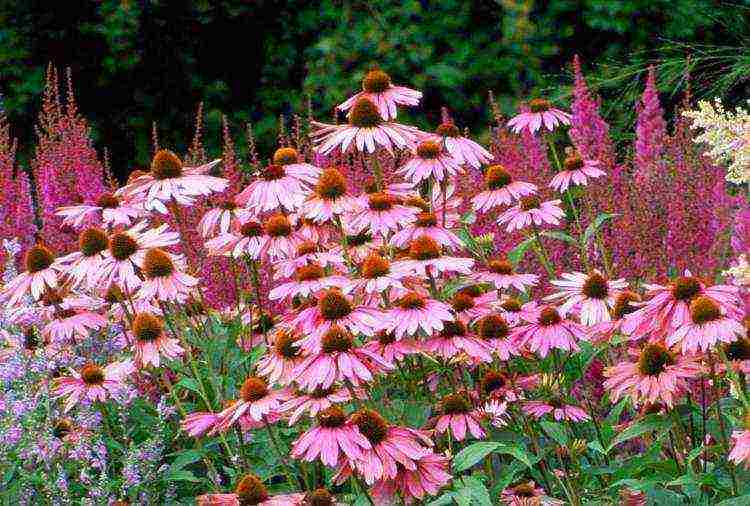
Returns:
<point x="573" y="162"/>
<point x="166" y="165"/>
<point x="549" y="316"/>
<point x="108" y="201"/>
<point x="704" y="309"/>
<point x="595" y="286"/>
<point x="454" y="404"/>
<point x="381" y="201"/>
<point x="38" y="258"/>
<point x="147" y="327"/>
<point x="278" y="226"/>
<point x="331" y="417"/>
<point x="309" y="272"/>
<point x="251" y="491"/>
<point x="497" y="177"/>
<point x="539" y="105"/>
<point x="426" y="220"/>
<point x="624" y="304"/>
<point x="428" y="150"/>
<point x="500" y="267"/>
<point x="371" y="425"/>
<point x="492" y="327"/>
<point x="493" y="380"/>
<point x="334" y="305"/>
<point x="654" y="360"/>
<point x="411" y="300"/>
<point x="337" y="340"/>
<point x="375" y="266"/>
<point x="157" y="264"/>
<point x="92" y="374"/>
<point x="530" y="202"/>
<point x="273" y="172"/>
<point x="331" y="184"/>
<point x="364" y="114"/>
<point x="448" y="130"/>
<point x="685" y="288"/>
<point x="253" y="389"/>
<point x="462" y="302"/>
<point x="285" y="156"/>
<point x="376" y="81"/>
<point x="122" y="246"/>
<point x="251" y="229"/>
<point x="424" y="248"/>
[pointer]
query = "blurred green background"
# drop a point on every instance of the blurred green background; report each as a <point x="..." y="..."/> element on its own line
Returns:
<point x="138" y="62"/>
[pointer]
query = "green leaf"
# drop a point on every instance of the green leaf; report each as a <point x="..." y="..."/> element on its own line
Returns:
<point x="595" y="225"/>
<point x="556" y="431"/>
<point x="472" y="454"/>
<point x="641" y="427"/>
<point x="185" y="459"/>
<point x="181" y="475"/>
<point x="188" y="384"/>
<point x="476" y="490"/>
<point x="516" y="254"/>
<point x="735" y="501"/>
<point x="562" y="236"/>
<point x="518" y="453"/>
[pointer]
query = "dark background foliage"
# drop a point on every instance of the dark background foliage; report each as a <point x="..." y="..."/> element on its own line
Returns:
<point x="135" y="62"/>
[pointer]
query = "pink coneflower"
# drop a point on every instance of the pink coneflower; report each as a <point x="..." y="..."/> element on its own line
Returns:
<point x="333" y="440"/>
<point x="199" y="423"/>
<point x="250" y="490"/>
<point x="320" y="399"/>
<point x="526" y="494"/>
<point x="69" y="323"/>
<point x="40" y="275"/>
<point x="531" y="210"/>
<point x="366" y="131"/>
<point x="84" y="266"/>
<point x="384" y="213"/>
<point x="280" y="187"/>
<point x="426" y="224"/>
<point x="308" y="252"/>
<point x="282" y="357"/>
<point x="308" y="280"/>
<point x="377" y="276"/>
<point x="667" y="307"/>
<point x="541" y="113"/>
<point x="500" y="274"/>
<point x="496" y="411"/>
<point x="426" y="259"/>
<point x="256" y="401"/>
<point x="279" y="240"/>
<point x="576" y="171"/>
<point x="455" y="339"/>
<point x="339" y="360"/>
<point x="150" y="341"/>
<point x="708" y="326"/>
<point x="559" y="410"/>
<point x="515" y="312"/>
<point x="547" y="331"/>
<point x="657" y="376"/>
<point x="108" y="210"/>
<point x="470" y="303"/>
<point x="626" y="302"/>
<point x="246" y="241"/>
<point x="413" y="312"/>
<point x="170" y="181"/>
<point x="226" y="216"/>
<point x="164" y="279"/>
<point x="93" y="382"/>
<point x="330" y="198"/>
<point x="308" y="230"/>
<point x="497" y="385"/>
<point x="458" y="414"/>
<point x="502" y="190"/>
<point x="463" y="149"/>
<point x="127" y="251"/>
<point x="494" y="331"/>
<point x="738" y="355"/>
<point x="427" y="479"/>
<point x="377" y="87"/>
<point x="391" y="349"/>
<point x="334" y="309"/>
<point x="590" y="295"/>
<point x="390" y="445"/>
<point x="740" y="453"/>
<point x="430" y="161"/>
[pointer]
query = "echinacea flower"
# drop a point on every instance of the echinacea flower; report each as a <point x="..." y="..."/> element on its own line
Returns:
<point x="279" y="188"/>
<point x="527" y="494"/>
<point x="471" y="303"/>
<point x="496" y="411"/>
<point x="170" y="181"/>
<point x="455" y="339"/>
<point x="335" y="439"/>
<point x="497" y="385"/>
<point x="502" y="190"/>
<point x="151" y="342"/>
<point x="250" y="490"/>
<point x="308" y="252"/>
<point x="430" y="476"/>
<point x="626" y="302"/>
<point x="108" y="210"/>
<point x="576" y="171"/>
<point x="541" y="113"/>
<point x="320" y="399"/>
<point x="463" y="149"/>
<point x="391" y="349"/>
<point x="256" y="401"/>
<point x="557" y="408"/>
<point x="458" y="413"/>
<point x="426" y="224"/>
<point x="658" y="375"/>
<point x="494" y="331"/>
<point x="338" y="360"/>
<point x="412" y="312"/>
<point x="198" y="423"/>
<point x="40" y="275"/>
<point x="282" y="357"/>
<point x="708" y="326"/>
<point x="366" y="130"/>
<point x="738" y="355"/>
<point x="549" y="330"/>
<point x="426" y="259"/>
<point x="68" y="323"/>
<point x="430" y="161"/>
<point x="530" y="210"/>
<point x="377" y="276"/>
<point x="92" y="382"/>
<point x="500" y="274"/>
<point x="164" y="279"/>
<point x="127" y="251"/>
<point x="84" y="266"/>
<point x="515" y="312"/>
<point x="377" y="87"/>
<point x="227" y="215"/>
<point x="590" y="295"/>
<point x="740" y="453"/>
<point x="246" y="241"/>
<point x="329" y="198"/>
<point x="384" y="213"/>
<point x="308" y="280"/>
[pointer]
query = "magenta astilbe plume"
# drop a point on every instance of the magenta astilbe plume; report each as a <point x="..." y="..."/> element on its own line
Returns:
<point x="741" y="231"/>
<point x="230" y="164"/>
<point x="650" y="128"/>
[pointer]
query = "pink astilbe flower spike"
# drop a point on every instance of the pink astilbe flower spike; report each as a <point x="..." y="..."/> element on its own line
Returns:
<point x="540" y="114"/>
<point x="591" y="296"/>
<point x="377" y="87"/>
<point x="658" y="375"/>
<point x="93" y="383"/>
<point x="366" y="131"/>
<point x="501" y="190"/>
<point x="430" y="161"/>
<point x="16" y="216"/>
<point x="547" y="331"/>
<point x="334" y="440"/>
